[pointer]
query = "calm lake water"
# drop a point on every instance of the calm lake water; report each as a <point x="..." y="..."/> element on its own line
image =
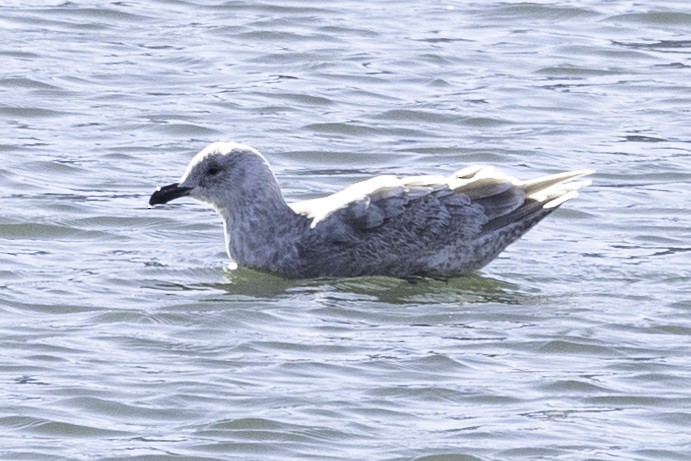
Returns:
<point x="122" y="337"/>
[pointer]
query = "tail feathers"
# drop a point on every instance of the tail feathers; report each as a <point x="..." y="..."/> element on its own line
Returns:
<point x="556" y="189"/>
<point x="542" y="196"/>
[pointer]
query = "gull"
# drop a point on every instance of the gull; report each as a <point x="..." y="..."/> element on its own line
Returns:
<point x="435" y="226"/>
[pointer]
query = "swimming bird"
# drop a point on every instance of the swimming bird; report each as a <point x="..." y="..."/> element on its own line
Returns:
<point x="437" y="226"/>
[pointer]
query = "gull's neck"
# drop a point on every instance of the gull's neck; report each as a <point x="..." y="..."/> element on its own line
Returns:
<point x="259" y="227"/>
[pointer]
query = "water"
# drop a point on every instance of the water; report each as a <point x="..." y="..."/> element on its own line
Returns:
<point x="122" y="337"/>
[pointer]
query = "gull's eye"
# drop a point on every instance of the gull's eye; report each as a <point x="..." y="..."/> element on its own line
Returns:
<point x="213" y="171"/>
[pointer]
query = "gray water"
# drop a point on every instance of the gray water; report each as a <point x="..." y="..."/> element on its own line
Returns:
<point x="122" y="337"/>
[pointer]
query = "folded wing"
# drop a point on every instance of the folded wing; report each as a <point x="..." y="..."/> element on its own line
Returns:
<point x="478" y="197"/>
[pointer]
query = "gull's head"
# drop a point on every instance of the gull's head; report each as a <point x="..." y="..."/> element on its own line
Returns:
<point x="223" y="174"/>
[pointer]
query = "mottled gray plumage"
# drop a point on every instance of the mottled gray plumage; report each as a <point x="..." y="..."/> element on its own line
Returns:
<point x="421" y="225"/>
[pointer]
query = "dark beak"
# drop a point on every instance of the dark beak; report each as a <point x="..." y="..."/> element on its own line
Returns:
<point x="167" y="193"/>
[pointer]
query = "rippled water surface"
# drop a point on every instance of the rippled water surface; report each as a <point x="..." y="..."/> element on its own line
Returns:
<point x="122" y="337"/>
